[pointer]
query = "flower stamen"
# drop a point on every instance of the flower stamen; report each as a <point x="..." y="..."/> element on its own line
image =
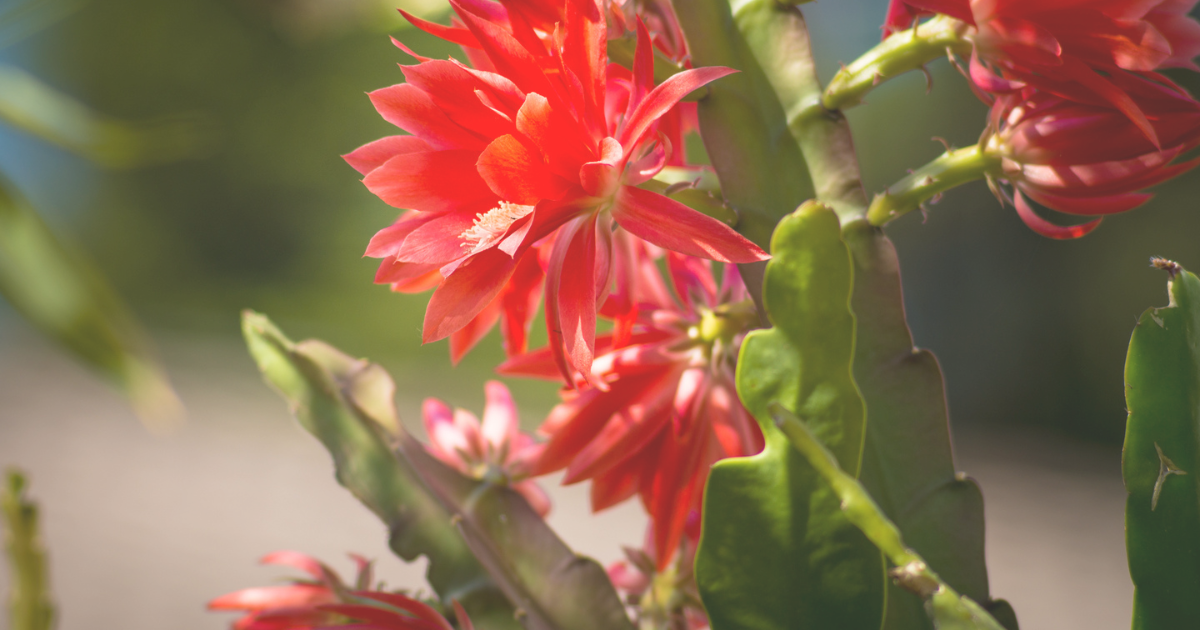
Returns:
<point x="491" y="226"/>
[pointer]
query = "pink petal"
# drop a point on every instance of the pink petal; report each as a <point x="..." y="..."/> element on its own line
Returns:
<point x="264" y="597"/>
<point x="501" y="426"/>
<point x="446" y="442"/>
<point x="674" y="226"/>
<point x="439" y="241"/>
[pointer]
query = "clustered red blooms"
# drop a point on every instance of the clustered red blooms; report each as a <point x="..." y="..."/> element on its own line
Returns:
<point x="495" y="450"/>
<point x="325" y="601"/>
<point x="1080" y="114"/>
<point x="533" y="153"/>
<point x="669" y="409"/>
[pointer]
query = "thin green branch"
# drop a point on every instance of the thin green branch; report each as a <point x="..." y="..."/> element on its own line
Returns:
<point x="29" y="603"/>
<point x="953" y="168"/>
<point x="900" y="53"/>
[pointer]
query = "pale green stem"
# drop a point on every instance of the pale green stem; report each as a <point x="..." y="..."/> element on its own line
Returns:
<point x="784" y="50"/>
<point x="900" y="53"/>
<point x="953" y="168"/>
<point x="948" y="608"/>
<point x="29" y="602"/>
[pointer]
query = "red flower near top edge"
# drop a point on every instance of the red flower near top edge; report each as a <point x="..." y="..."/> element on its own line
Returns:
<point x="496" y="447"/>
<point x="327" y="602"/>
<point x="1086" y="159"/>
<point x="1071" y="48"/>
<point x="499" y="161"/>
<point x="669" y="409"/>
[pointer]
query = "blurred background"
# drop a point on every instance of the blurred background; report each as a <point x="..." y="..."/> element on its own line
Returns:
<point x="256" y="210"/>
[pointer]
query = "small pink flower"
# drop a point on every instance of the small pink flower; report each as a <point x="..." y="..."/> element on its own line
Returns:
<point x="326" y="602"/>
<point x="495" y="449"/>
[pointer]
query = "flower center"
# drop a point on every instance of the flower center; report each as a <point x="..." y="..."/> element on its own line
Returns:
<point x="491" y="226"/>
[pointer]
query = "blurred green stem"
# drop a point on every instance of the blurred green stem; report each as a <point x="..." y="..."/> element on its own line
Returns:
<point x="953" y="168"/>
<point x="899" y="53"/>
<point x="29" y="603"/>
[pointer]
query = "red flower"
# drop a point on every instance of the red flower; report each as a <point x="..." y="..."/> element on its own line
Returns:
<point x="1077" y="49"/>
<point x="494" y="449"/>
<point x="500" y="159"/>
<point x="669" y="409"/>
<point x="326" y="602"/>
<point x="1087" y="159"/>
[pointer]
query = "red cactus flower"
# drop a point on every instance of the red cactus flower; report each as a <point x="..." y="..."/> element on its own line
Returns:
<point x="495" y="449"/>
<point x="502" y="159"/>
<point x="669" y="409"/>
<point x="1075" y="49"/>
<point x="1086" y="159"/>
<point x="326" y="602"/>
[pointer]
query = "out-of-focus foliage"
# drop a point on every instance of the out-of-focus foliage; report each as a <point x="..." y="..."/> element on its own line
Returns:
<point x="60" y="292"/>
<point x="805" y="565"/>
<point x="431" y="509"/>
<point x="1162" y="450"/>
<point x="29" y="104"/>
<point x="29" y="605"/>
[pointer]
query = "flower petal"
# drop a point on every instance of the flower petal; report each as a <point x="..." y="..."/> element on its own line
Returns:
<point x="372" y="155"/>
<point x="664" y="97"/>
<point x="674" y="226"/>
<point x="1046" y="228"/>
<point x="431" y="181"/>
<point x="464" y="293"/>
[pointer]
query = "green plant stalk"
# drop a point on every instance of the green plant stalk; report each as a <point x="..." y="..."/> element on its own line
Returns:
<point x="777" y="35"/>
<point x="29" y="604"/>
<point x="947" y="608"/>
<point x="951" y="169"/>
<point x="900" y="53"/>
<point x="901" y="385"/>
<point x="1160" y="462"/>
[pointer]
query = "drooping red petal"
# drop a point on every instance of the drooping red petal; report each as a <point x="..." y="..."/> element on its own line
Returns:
<point x="615" y="486"/>
<point x="418" y="609"/>
<point x="465" y="338"/>
<point x="1046" y="228"/>
<point x="520" y="300"/>
<point x="627" y="432"/>
<point x="465" y="293"/>
<point x="674" y="226"/>
<point x="570" y="285"/>
<point x="1089" y="206"/>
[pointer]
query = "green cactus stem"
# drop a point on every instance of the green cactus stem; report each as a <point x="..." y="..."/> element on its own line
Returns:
<point x="900" y="53"/>
<point x="953" y="168"/>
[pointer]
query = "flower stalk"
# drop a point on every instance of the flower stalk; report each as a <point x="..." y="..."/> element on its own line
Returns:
<point x="900" y="53"/>
<point x="953" y="168"/>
